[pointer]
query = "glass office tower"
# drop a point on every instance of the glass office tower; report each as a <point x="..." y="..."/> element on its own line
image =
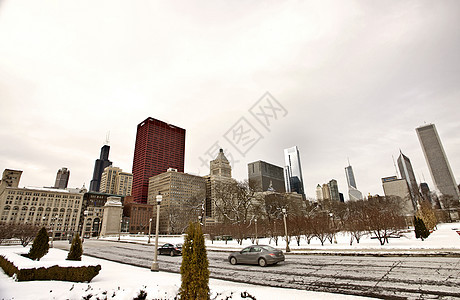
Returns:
<point x="293" y="171"/>
<point x="353" y="193"/>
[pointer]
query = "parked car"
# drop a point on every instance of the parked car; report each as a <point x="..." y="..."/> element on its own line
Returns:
<point x="257" y="254"/>
<point x="170" y="249"/>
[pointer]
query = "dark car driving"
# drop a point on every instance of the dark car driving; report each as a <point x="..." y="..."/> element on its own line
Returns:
<point x="257" y="254"/>
<point x="170" y="249"/>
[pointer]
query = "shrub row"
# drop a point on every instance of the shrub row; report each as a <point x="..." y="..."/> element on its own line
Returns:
<point x="74" y="274"/>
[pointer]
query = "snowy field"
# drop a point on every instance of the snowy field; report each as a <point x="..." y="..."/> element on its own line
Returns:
<point x="119" y="281"/>
<point x="445" y="238"/>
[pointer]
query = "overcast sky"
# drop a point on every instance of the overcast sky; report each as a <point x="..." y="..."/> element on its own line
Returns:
<point x="352" y="79"/>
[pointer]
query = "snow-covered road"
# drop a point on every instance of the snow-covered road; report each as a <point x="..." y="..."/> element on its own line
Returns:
<point x="413" y="277"/>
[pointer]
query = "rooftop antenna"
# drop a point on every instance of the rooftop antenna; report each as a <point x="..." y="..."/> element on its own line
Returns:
<point x="394" y="163"/>
<point x="107" y="138"/>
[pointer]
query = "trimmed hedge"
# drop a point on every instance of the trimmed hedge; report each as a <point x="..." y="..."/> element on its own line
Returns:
<point x="74" y="274"/>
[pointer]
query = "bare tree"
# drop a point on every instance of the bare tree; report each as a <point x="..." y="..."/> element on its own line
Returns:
<point x="236" y="206"/>
<point x="25" y="233"/>
<point x="383" y="217"/>
<point x="6" y="231"/>
<point x="320" y="226"/>
<point x="355" y="222"/>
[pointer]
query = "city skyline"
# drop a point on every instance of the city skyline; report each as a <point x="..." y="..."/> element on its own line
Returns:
<point x="354" y="81"/>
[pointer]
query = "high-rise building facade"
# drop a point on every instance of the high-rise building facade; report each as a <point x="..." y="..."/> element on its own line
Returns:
<point x="99" y="166"/>
<point x="116" y="182"/>
<point x="436" y="159"/>
<point x="183" y="199"/>
<point x="326" y="191"/>
<point x="293" y="171"/>
<point x="159" y="146"/>
<point x="264" y="176"/>
<point x="407" y="173"/>
<point x="10" y="178"/>
<point x="334" y="190"/>
<point x="425" y="191"/>
<point x="57" y="209"/>
<point x="319" y="192"/>
<point x="220" y="173"/>
<point x="393" y="186"/>
<point x="353" y="192"/>
<point x="62" y="178"/>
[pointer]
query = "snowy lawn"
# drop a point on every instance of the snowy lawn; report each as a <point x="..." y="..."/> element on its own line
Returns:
<point x="444" y="238"/>
<point x="119" y="281"/>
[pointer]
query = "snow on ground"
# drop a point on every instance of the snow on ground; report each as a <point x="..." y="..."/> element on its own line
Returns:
<point x="444" y="238"/>
<point x="119" y="281"/>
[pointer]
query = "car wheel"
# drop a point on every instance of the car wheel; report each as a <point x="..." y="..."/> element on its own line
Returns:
<point x="171" y="253"/>
<point x="233" y="260"/>
<point x="262" y="262"/>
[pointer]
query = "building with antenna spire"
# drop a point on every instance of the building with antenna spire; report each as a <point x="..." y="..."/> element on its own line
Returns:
<point x="407" y="173"/>
<point x="99" y="165"/>
<point x="353" y="192"/>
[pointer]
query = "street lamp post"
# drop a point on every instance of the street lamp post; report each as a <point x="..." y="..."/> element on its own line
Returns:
<point x="255" y="223"/>
<point x="150" y="230"/>
<point x="155" y="259"/>
<point x="285" y="230"/>
<point x="99" y="228"/>
<point x="85" y="213"/>
<point x="119" y="232"/>
<point x="54" y="230"/>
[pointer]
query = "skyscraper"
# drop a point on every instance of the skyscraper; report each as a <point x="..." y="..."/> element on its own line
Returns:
<point x="116" y="182"/>
<point x="353" y="192"/>
<point x="263" y="176"/>
<point x="159" y="146"/>
<point x="99" y="167"/>
<point x="293" y="171"/>
<point x="62" y="178"/>
<point x="407" y="173"/>
<point x="392" y="186"/>
<point x="436" y="159"/>
<point x="319" y="192"/>
<point x="334" y="189"/>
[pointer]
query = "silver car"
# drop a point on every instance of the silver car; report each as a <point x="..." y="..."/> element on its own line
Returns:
<point x="257" y="254"/>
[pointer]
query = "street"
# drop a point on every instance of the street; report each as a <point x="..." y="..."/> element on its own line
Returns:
<point x="383" y="277"/>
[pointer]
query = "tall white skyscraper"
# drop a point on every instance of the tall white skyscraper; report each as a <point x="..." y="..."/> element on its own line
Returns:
<point x="353" y="192"/>
<point x="293" y="171"/>
<point x="436" y="159"/>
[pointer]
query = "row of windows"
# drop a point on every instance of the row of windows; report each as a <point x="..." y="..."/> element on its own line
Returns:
<point x="50" y="195"/>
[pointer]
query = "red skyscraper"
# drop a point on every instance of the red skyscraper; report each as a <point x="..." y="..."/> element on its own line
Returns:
<point x="159" y="146"/>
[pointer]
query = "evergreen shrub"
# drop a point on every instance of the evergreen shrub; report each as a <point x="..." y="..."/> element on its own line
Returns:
<point x="194" y="269"/>
<point x="40" y="245"/>
<point x="76" y="249"/>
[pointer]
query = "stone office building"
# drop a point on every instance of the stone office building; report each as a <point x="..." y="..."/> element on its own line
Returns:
<point x="56" y="209"/>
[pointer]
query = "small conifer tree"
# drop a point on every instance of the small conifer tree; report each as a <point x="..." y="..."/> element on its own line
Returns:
<point x="194" y="269"/>
<point x="76" y="249"/>
<point x="40" y="245"/>
<point x="420" y="229"/>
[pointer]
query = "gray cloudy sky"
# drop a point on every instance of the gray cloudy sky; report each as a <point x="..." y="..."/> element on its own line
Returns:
<point x="355" y="77"/>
